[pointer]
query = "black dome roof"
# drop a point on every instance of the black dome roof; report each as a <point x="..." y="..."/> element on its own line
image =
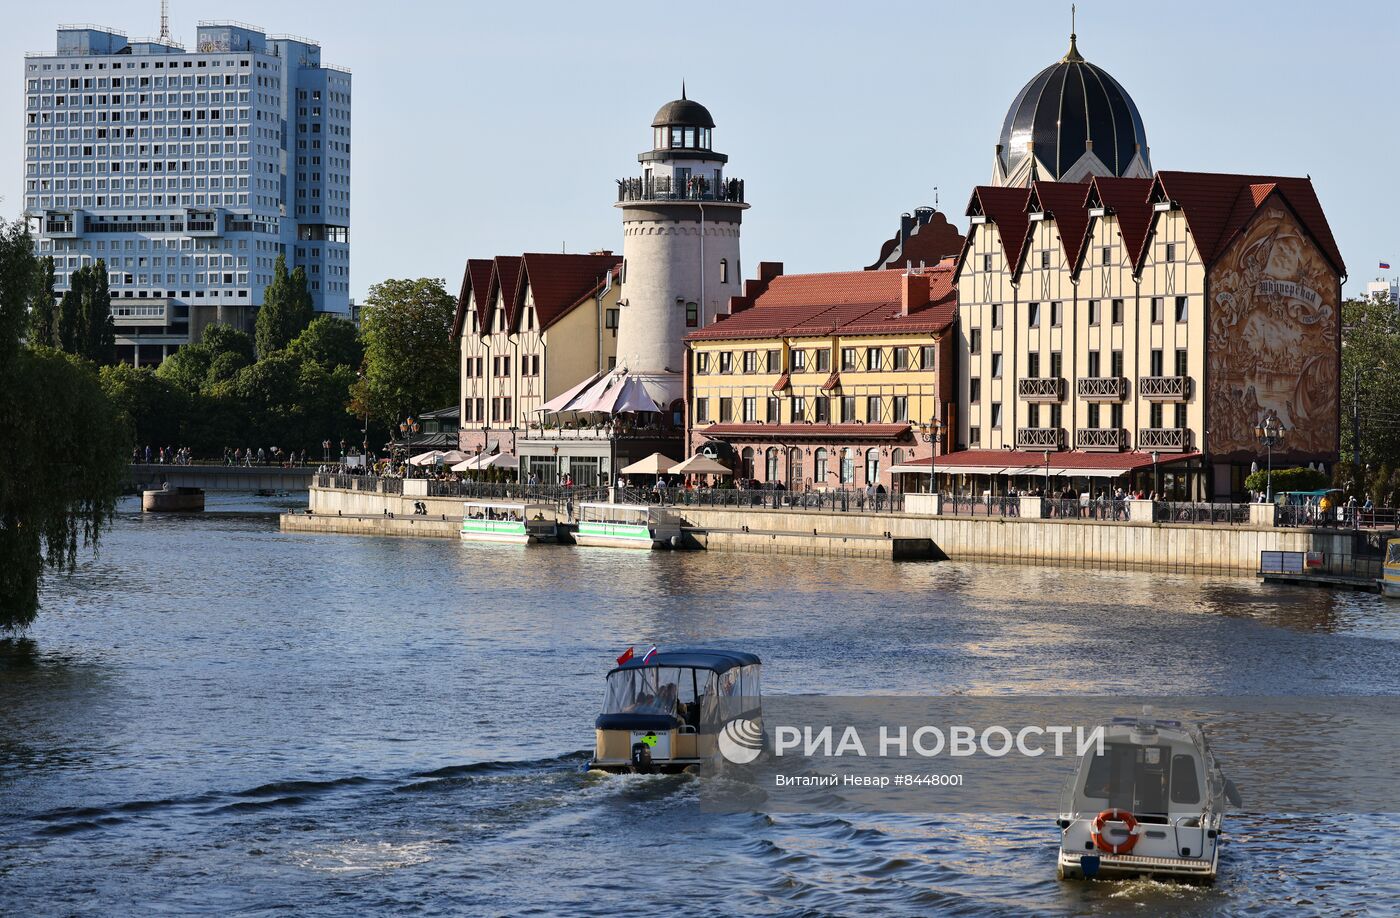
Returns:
<point x="684" y="112"/>
<point x="1066" y="105"/>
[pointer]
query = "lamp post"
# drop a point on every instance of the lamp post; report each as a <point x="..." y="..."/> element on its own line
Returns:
<point x="1269" y="431"/>
<point x="408" y="427"/>
<point x="932" y="434"/>
<point x="1156" y="477"/>
<point x="1047" y="473"/>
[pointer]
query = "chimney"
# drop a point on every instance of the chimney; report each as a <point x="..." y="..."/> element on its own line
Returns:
<point x="914" y="289"/>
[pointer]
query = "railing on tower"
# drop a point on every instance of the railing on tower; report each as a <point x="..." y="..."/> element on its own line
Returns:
<point x="696" y="188"/>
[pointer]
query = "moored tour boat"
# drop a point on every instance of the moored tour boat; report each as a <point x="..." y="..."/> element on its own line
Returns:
<point x="1150" y="805"/>
<point x="508" y="521"/>
<point x="1390" y="571"/>
<point x="627" y="526"/>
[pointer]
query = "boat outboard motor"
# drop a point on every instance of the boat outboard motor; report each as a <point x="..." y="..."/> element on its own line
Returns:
<point x="641" y="758"/>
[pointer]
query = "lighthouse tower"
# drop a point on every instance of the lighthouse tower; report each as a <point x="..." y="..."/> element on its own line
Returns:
<point x="680" y="248"/>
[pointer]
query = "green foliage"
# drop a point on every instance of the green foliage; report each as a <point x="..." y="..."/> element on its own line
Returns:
<point x="410" y="360"/>
<point x="1297" y="479"/>
<point x="43" y="308"/>
<point x="187" y="368"/>
<point x="285" y="311"/>
<point x="222" y="339"/>
<point x="83" y="323"/>
<point x="63" y="445"/>
<point x="155" y="406"/>
<point x="331" y="342"/>
<point x="1371" y="366"/>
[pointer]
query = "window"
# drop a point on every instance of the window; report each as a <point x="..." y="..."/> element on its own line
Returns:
<point x="775" y="361"/>
<point x="775" y="409"/>
<point x="1094" y="414"/>
<point x="1056" y="365"/>
<point x="1033" y="414"/>
<point x="900" y="408"/>
<point x="1093" y="312"/>
<point x="1115" y="413"/>
<point x="1033" y="365"/>
<point x="874" y="358"/>
<point x="848" y="466"/>
<point x="750" y="409"/>
<point x="1181" y="311"/>
<point x="1156" y="362"/>
<point x="1045" y="258"/>
<point x="872" y="466"/>
<point x="724" y="270"/>
<point x="926" y="357"/>
<point x="1156" y="309"/>
<point x="996" y="366"/>
<point x="794" y="466"/>
<point x="974" y="389"/>
<point x="702" y="410"/>
<point x="799" y="361"/>
<point x="1155" y="415"/>
<point x="750" y="361"/>
<point x="1095" y="359"/>
<point x="692" y="315"/>
<point x="702" y="362"/>
<point x="799" y="409"/>
<point x="1117" y="312"/>
<point x="770" y="464"/>
<point x="1116" y="362"/>
<point x="974" y="436"/>
<point x="819" y="465"/>
<point x="726" y="410"/>
<point x="901" y="358"/>
<point x="823" y="361"/>
<point x="848" y="358"/>
<point x="1056" y="310"/>
<point x="821" y="407"/>
<point x="1033" y="315"/>
<point x="873" y="409"/>
<point x="986" y="262"/>
<point x="1181" y="361"/>
<point x="1171" y="251"/>
<point x="1057" y="412"/>
<point x="848" y="409"/>
<point x="996" y="315"/>
<point x="974" y="341"/>
<point x="996" y="414"/>
<point x="726" y="362"/>
<point x="1106" y="255"/>
<point x="1179" y="415"/>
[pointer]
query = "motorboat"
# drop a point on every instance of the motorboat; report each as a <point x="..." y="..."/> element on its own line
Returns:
<point x="678" y="710"/>
<point x="508" y="521"/>
<point x="627" y="526"/>
<point x="1149" y="802"/>
<point x="1390" y="570"/>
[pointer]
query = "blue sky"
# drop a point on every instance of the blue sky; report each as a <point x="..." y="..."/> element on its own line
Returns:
<point x="486" y="128"/>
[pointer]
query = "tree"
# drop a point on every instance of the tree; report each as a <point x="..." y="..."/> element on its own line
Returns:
<point x="187" y="368"/>
<point x="331" y="342"/>
<point x="84" y="316"/>
<point x="285" y="311"/>
<point x="1296" y="479"/>
<point x="63" y="446"/>
<point x="225" y="339"/>
<point x="155" y="406"/>
<point x="410" y="360"/>
<point x="43" y="308"/>
<point x="1371" y="375"/>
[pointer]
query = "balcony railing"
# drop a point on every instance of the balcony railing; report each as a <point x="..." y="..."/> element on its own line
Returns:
<point x="696" y="188"/>
<point x="1170" y="439"/>
<point x="1196" y="513"/>
<point x="1102" y="388"/>
<point x="1041" y="388"/>
<point x="1040" y="438"/>
<point x="1164" y="388"/>
<point x="200" y="226"/>
<point x="1104" y="439"/>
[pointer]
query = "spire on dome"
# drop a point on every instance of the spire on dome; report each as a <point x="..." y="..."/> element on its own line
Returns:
<point x="1072" y="55"/>
<point x="682" y="89"/>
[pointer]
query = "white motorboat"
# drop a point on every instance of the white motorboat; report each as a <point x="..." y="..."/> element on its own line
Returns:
<point x="1150" y="805"/>
<point x="627" y="526"/>
<point x="508" y="521"/>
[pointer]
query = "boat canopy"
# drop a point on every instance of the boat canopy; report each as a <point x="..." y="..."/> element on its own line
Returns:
<point x="715" y="660"/>
<point x="704" y="689"/>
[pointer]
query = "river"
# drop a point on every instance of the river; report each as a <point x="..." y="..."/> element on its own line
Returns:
<point x="212" y="716"/>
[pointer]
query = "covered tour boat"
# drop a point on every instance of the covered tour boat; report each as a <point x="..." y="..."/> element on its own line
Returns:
<point x="1150" y="805"/>
<point x="1390" y="570"/>
<point x="508" y="521"/>
<point x="665" y="712"/>
<point x="627" y="526"/>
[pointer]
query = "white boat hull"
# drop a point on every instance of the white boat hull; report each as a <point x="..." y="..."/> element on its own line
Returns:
<point x="510" y="538"/>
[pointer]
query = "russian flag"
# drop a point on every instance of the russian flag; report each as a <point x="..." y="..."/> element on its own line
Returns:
<point x="646" y="657"/>
<point x="1385" y="266"/>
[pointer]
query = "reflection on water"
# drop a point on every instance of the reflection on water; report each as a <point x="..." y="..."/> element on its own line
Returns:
<point x="214" y="715"/>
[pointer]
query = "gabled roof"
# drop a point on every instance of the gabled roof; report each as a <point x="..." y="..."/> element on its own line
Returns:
<point x="1129" y="200"/>
<point x="846" y="302"/>
<point x="476" y="287"/>
<point x="1063" y="201"/>
<point x="1005" y="207"/>
<point x="1217" y="206"/>
<point x="560" y="282"/>
<point x="506" y="279"/>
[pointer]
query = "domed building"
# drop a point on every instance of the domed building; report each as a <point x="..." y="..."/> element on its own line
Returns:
<point x="1071" y="122"/>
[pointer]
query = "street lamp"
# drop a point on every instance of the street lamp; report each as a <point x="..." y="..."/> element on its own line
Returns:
<point x="1269" y="431"/>
<point x="1047" y="473"/>
<point x="408" y="427"/>
<point x="932" y="434"/>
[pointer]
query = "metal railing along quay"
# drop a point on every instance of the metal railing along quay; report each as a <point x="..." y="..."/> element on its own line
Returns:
<point x="967" y="505"/>
<point x="1083" y="508"/>
<point x="844" y="501"/>
<point x="1200" y="513"/>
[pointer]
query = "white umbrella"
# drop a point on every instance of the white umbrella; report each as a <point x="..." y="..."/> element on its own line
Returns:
<point x="655" y="464"/>
<point x="453" y="456"/>
<point x="432" y="457"/>
<point x="468" y="465"/>
<point x="699" y="465"/>
<point x="500" y="461"/>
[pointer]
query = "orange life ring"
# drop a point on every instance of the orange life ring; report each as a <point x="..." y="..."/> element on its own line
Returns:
<point x="1115" y="815"/>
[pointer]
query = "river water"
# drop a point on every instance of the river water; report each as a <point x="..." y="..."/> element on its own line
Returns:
<point x="213" y="716"/>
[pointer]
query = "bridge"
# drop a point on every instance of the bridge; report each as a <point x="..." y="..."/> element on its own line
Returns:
<point x="218" y="477"/>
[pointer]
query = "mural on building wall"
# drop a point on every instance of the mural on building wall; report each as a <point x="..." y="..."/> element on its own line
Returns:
<point x="1273" y="340"/>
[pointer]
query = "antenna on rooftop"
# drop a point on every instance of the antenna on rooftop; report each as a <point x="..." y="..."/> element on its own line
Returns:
<point x="165" y="20"/>
<point x="935" y="197"/>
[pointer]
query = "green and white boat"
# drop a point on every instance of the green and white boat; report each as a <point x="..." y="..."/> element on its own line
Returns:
<point x="508" y="521"/>
<point x="627" y="526"/>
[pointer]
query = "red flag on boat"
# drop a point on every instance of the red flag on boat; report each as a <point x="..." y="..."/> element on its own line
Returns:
<point x="626" y="655"/>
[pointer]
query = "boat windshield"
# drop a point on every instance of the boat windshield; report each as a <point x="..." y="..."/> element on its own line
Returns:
<point x="701" y="698"/>
<point x="1392" y="552"/>
<point x="512" y="514"/>
<point x="1145" y="780"/>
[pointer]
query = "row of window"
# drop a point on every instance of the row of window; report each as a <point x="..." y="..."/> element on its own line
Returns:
<point x="841" y="463"/>
<point x="798" y="406"/>
<point x="474" y="409"/>
<point x="1105" y="256"/>
<point x="771" y="361"/>
<point x="1035" y="314"/>
<point x="474" y="367"/>
<point x="1156" y="366"/>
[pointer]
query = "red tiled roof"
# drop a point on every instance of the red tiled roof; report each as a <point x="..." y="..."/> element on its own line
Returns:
<point x="1218" y="205"/>
<point x="1064" y="201"/>
<point x="1030" y="460"/>
<point x="560" y="282"/>
<point x="1005" y="207"/>
<point x="855" y="302"/>
<point x="476" y="287"/>
<point x="783" y="382"/>
<point x="808" y="431"/>
<point x="507" y="280"/>
<point x="832" y="381"/>
<point x="1129" y="199"/>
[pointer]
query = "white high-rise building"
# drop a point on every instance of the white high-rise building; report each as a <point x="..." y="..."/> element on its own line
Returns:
<point x="187" y="173"/>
